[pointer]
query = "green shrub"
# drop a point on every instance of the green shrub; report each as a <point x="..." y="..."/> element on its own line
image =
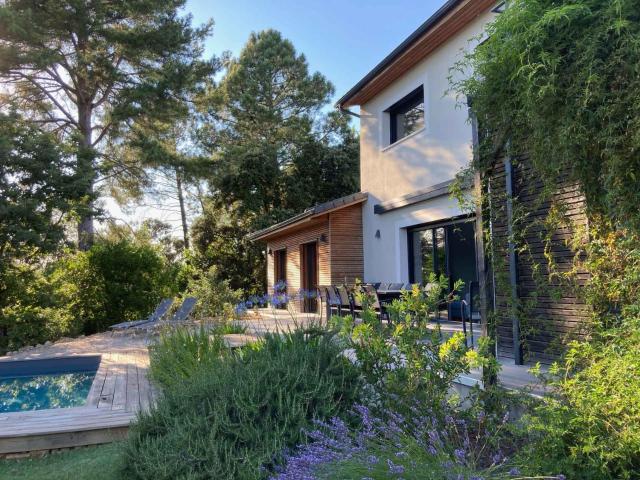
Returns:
<point x="411" y="359"/>
<point x="178" y="354"/>
<point x="215" y="296"/>
<point x="112" y="282"/>
<point x="590" y="428"/>
<point x="233" y="415"/>
<point x="29" y="314"/>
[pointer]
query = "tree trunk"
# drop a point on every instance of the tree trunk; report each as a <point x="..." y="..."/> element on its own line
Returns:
<point x="183" y="213"/>
<point x="85" y="158"/>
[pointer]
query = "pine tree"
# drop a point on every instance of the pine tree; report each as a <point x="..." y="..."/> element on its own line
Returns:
<point x="37" y="191"/>
<point x="90" y="70"/>
<point x="274" y="153"/>
<point x="262" y="114"/>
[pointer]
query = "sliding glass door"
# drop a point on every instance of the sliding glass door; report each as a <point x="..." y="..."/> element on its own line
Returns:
<point x="444" y="249"/>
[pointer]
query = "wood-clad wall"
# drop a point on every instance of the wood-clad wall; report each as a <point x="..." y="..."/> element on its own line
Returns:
<point x="340" y="256"/>
<point x="347" y="257"/>
<point x="550" y="307"/>
<point x="293" y="242"/>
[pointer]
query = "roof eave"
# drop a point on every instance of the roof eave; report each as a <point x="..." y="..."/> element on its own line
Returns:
<point x="420" y="35"/>
<point x="308" y="215"/>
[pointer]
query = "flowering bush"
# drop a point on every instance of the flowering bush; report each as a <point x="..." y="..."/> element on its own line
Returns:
<point x="410" y="358"/>
<point x="590" y="426"/>
<point x="416" y="446"/>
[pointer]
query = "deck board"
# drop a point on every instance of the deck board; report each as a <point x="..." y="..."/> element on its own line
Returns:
<point x="120" y="389"/>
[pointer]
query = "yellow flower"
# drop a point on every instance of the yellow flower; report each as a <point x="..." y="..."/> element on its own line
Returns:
<point x="473" y="359"/>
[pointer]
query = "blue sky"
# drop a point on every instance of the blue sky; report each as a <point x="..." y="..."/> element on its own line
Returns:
<point x="341" y="39"/>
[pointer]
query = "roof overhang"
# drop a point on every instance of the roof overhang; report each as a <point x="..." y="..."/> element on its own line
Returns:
<point x="299" y="221"/>
<point x="452" y="17"/>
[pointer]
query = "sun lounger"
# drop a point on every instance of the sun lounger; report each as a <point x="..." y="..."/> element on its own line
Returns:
<point x="160" y="311"/>
<point x="181" y="315"/>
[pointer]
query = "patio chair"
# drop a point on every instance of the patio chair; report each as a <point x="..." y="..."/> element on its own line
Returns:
<point x="372" y="293"/>
<point x="160" y="311"/>
<point x="346" y="302"/>
<point x="181" y="315"/>
<point x="334" y="305"/>
<point x="395" y="287"/>
<point x="356" y="301"/>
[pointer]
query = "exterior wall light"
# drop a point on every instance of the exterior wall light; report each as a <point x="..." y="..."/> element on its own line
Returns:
<point x="377" y="233"/>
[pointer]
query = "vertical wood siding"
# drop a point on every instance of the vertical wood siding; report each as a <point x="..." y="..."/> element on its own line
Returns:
<point x="340" y="257"/>
<point x="347" y="257"/>
<point x="550" y="307"/>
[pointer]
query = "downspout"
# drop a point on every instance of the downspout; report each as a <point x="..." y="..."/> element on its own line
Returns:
<point x="513" y="263"/>
<point x="489" y="376"/>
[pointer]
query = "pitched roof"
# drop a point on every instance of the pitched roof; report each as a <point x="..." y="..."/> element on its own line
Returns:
<point x="308" y="214"/>
<point x="444" y="23"/>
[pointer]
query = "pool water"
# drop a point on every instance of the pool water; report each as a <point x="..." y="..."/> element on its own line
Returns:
<point x="44" y="391"/>
<point x="43" y="384"/>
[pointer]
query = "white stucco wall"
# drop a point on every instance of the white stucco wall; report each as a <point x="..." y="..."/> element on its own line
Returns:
<point x="386" y="258"/>
<point x="425" y="158"/>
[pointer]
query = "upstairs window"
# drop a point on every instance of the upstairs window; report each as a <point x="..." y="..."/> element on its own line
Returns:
<point x="407" y="115"/>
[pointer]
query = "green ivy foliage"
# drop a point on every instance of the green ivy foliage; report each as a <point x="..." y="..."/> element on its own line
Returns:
<point x="560" y="82"/>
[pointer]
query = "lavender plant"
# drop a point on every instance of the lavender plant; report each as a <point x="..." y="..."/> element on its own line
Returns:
<point x="418" y="446"/>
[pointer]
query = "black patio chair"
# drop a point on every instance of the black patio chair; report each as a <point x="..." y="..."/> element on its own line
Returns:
<point x="332" y="301"/>
<point x="346" y="302"/>
<point x="375" y="304"/>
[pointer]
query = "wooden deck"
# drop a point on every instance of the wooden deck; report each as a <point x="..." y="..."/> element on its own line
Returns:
<point x="119" y="391"/>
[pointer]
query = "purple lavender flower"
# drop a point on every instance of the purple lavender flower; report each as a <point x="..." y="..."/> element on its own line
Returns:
<point x="460" y="455"/>
<point x="395" y="468"/>
<point x="514" y="471"/>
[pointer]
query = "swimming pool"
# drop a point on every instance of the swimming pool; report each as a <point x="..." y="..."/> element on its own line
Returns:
<point x="47" y="383"/>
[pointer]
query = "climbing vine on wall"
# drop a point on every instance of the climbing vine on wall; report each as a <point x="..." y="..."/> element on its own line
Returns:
<point x="556" y="89"/>
<point x="559" y="81"/>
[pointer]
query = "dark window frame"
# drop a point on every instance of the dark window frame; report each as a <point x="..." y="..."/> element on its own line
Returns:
<point x="402" y="106"/>
<point x="469" y="218"/>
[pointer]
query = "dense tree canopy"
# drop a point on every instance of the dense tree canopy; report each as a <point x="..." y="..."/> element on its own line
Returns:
<point x="274" y="152"/>
<point x="37" y="190"/>
<point x="38" y="193"/>
<point x="91" y="70"/>
<point x="560" y="81"/>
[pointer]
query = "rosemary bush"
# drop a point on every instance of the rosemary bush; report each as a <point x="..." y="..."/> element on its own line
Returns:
<point x="235" y="413"/>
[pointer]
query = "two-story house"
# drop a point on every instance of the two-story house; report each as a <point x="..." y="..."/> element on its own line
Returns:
<point x="404" y="225"/>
